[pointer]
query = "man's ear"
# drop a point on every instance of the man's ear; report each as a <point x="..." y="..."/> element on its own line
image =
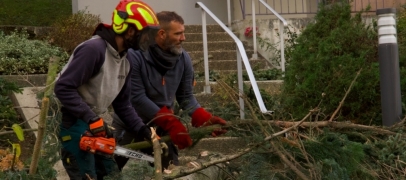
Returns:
<point x="161" y="34"/>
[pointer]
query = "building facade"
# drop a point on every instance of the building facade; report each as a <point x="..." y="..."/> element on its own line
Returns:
<point x="240" y="9"/>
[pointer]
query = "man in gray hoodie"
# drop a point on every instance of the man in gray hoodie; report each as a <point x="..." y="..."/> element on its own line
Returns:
<point x="96" y="76"/>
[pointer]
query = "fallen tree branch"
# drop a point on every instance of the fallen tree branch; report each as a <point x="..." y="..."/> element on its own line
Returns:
<point x="157" y="155"/>
<point x="186" y="171"/>
<point x="278" y="123"/>
<point x="333" y="124"/>
<point x="345" y="96"/>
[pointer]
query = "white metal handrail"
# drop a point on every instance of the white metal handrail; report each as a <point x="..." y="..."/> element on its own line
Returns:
<point x="282" y="25"/>
<point x="241" y="55"/>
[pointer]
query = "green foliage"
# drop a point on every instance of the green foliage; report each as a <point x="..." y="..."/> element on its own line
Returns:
<point x="73" y="30"/>
<point x="33" y="12"/>
<point x="260" y="75"/>
<point x="325" y="59"/>
<point x="19" y="55"/>
<point x="273" y="48"/>
<point x="7" y="111"/>
<point x="401" y="35"/>
<point x="44" y="171"/>
<point x="263" y="75"/>
<point x="331" y="147"/>
<point x="393" y="150"/>
<point x="258" y="167"/>
<point x="332" y="170"/>
<point x="401" y="31"/>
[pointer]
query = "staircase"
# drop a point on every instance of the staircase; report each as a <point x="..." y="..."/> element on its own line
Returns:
<point x="221" y="47"/>
<point x="222" y="56"/>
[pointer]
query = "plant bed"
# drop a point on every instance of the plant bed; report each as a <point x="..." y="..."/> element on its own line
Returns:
<point x="6" y="148"/>
<point x="9" y="136"/>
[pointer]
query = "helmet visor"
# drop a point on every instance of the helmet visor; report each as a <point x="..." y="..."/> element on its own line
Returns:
<point x="146" y="37"/>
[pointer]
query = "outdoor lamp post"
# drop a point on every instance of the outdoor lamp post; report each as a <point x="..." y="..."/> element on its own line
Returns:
<point x="389" y="67"/>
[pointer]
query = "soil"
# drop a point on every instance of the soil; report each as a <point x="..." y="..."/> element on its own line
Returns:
<point x="26" y="146"/>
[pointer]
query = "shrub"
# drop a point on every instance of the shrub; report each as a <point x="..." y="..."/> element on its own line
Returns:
<point x="19" y="55"/>
<point x="70" y="32"/>
<point x="33" y="12"/>
<point x="325" y="59"/>
<point x="7" y="112"/>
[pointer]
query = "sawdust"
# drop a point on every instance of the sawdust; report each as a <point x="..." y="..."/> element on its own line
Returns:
<point x="6" y="161"/>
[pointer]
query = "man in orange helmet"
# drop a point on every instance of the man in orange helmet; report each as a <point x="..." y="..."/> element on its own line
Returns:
<point x="96" y="76"/>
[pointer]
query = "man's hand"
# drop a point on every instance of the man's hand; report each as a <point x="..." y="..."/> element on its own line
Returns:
<point x="203" y="118"/>
<point x="169" y="123"/>
<point x="145" y="132"/>
<point x="99" y="128"/>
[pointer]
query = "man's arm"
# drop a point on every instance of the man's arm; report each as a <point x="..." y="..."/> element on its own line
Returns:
<point x="139" y="99"/>
<point x="124" y="110"/>
<point x="85" y="62"/>
<point x="184" y="94"/>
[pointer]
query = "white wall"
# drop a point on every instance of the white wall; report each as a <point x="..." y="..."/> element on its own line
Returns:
<point x="185" y="8"/>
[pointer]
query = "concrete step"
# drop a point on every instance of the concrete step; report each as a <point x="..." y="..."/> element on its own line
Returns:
<point x="212" y="36"/>
<point x="219" y="54"/>
<point x="219" y="65"/>
<point x="212" y="46"/>
<point x="198" y="28"/>
<point x="270" y="87"/>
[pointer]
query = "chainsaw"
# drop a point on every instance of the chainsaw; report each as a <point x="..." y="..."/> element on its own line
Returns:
<point x="107" y="146"/>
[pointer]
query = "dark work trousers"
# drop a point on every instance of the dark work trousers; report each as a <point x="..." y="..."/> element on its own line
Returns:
<point x="129" y="137"/>
<point x="81" y="164"/>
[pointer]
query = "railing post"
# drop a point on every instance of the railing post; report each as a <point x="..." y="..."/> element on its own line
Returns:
<point x="207" y="89"/>
<point x="282" y="45"/>
<point x="229" y="14"/>
<point x="254" y="31"/>
<point x="240" y="84"/>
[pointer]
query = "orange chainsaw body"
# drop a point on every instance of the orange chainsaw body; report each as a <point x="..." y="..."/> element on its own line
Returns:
<point x="98" y="144"/>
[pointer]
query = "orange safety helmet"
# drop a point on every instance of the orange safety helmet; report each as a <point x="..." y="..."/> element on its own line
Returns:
<point x="133" y="12"/>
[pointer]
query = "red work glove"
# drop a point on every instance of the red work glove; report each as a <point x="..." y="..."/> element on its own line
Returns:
<point x="169" y="123"/>
<point x="203" y="118"/>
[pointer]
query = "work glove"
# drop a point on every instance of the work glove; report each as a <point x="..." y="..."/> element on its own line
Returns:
<point x="203" y="118"/>
<point x="99" y="128"/>
<point x="169" y="123"/>
<point x="145" y="132"/>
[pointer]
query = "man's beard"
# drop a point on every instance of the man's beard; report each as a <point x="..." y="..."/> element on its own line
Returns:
<point x="132" y="42"/>
<point x="173" y="48"/>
